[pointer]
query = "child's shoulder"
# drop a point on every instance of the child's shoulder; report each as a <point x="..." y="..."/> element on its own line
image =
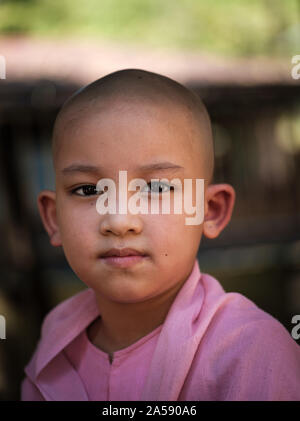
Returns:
<point x="243" y="352"/>
<point x="66" y="311"/>
<point x="238" y="315"/>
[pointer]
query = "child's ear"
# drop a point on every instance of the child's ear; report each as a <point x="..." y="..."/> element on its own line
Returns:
<point x="46" y="202"/>
<point x="219" y="202"/>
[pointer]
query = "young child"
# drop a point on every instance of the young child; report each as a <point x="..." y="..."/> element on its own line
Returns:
<point x="150" y="326"/>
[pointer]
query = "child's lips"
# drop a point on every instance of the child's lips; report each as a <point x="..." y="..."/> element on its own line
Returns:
<point x="124" y="261"/>
<point x="123" y="258"/>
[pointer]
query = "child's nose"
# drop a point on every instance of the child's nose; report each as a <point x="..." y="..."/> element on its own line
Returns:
<point x="120" y="224"/>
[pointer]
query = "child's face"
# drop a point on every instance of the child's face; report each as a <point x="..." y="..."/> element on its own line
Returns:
<point x="125" y="137"/>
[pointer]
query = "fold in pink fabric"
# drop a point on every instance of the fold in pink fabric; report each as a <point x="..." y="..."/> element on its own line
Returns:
<point x="212" y="345"/>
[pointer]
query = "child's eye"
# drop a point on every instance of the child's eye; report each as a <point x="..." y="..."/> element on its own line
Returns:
<point x="88" y="190"/>
<point x="158" y="187"/>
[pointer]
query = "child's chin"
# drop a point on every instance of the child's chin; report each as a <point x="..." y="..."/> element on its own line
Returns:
<point x="129" y="295"/>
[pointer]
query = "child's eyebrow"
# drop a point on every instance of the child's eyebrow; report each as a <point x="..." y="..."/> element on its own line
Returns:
<point x="91" y="169"/>
<point x="160" y="166"/>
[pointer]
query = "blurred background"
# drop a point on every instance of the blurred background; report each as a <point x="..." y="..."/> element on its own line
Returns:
<point x="236" y="54"/>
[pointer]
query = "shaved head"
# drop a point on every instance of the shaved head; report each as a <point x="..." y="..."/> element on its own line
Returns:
<point x="133" y="86"/>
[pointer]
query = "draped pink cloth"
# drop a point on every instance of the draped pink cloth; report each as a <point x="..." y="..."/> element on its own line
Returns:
<point x="212" y="345"/>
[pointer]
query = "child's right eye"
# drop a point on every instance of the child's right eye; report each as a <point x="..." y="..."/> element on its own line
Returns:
<point x="89" y="189"/>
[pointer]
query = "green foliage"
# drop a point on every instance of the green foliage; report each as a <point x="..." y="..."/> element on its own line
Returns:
<point x="229" y="27"/>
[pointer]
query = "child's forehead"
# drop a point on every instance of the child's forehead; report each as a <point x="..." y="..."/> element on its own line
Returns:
<point x="150" y="156"/>
<point x="137" y="117"/>
<point x="133" y="130"/>
<point x="137" y="126"/>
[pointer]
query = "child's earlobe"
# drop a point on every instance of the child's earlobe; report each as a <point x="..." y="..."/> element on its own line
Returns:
<point x="46" y="202"/>
<point x="55" y="239"/>
<point x="220" y="203"/>
<point x="210" y="230"/>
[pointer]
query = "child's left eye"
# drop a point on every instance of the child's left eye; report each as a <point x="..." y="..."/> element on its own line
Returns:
<point x="90" y="189"/>
<point x="159" y="187"/>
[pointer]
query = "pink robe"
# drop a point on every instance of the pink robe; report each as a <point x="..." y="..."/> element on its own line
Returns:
<point x="212" y="345"/>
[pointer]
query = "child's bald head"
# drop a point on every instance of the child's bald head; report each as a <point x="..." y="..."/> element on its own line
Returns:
<point x="138" y="87"/>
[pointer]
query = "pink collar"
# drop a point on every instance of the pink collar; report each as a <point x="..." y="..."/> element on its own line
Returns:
<point x="51" y="371"/>
<point x="61" y="326"/>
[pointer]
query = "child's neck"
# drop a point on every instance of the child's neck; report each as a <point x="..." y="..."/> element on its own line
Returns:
<point x="122" y="324"/>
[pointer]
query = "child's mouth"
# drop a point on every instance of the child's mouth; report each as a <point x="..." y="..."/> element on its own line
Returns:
<point x="122" y="258"/>
<point x="123" y="262"/>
